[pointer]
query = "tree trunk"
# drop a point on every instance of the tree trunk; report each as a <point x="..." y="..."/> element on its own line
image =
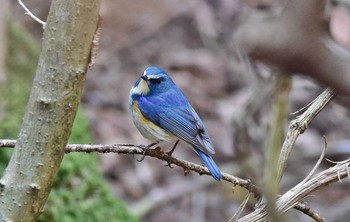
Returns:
<point x="51" y="109"/>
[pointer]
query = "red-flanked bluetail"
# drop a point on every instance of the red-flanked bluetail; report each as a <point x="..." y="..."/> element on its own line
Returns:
<point x="161" y="112"/>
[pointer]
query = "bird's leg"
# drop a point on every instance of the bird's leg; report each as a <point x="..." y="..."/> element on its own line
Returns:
<point x="153" y="144"/>
<point x="171" y="152"/>
<point x="144" y="148"/>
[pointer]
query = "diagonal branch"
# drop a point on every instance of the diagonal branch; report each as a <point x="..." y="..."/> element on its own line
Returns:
<point x="296" y="127"/>
<point x="300" y="124"/>
<point x="296" y="40"/>
<point x="308" y="211"/>
<point x="292" y="198"/>
<point x="297" y="193"/>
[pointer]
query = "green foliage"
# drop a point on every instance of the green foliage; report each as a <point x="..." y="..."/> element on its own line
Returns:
<point x="79" y="193"/>
<point x="22" y="58"/>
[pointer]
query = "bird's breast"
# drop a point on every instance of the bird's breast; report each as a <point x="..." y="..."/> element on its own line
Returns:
<point x="147" y="128"/>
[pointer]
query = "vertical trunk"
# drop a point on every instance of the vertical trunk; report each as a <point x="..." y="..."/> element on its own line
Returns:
<point x="51" y="109"/>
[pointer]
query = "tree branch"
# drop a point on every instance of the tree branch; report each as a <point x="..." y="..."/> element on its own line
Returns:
<point x="300" y="124"/>
<point x="31" y="14"/>
<point x="301" y="43"/>
<point x="291" y="198"/>
<point x="156" y="153"/>
<point x="297" y="193"/>
<point x="296" y="127"/>
<point x="308" y="211"/>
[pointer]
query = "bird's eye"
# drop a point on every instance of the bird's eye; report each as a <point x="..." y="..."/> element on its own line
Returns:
<point x="156" y="81"/>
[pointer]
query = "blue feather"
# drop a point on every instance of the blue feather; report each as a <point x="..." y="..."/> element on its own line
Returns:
<point x="173" y="113"/>
<point x="209" y="162"/>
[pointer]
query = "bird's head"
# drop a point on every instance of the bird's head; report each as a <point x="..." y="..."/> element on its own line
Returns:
<point x="153" y="81"/>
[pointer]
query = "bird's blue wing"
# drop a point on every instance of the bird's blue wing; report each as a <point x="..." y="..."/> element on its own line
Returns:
<point x="174" y="114"/>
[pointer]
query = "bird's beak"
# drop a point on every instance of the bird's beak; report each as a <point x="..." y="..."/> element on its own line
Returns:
<point x="144" y="78"/>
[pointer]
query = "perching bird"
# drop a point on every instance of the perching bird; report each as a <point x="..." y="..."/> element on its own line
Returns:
<point x="161" y="112"/>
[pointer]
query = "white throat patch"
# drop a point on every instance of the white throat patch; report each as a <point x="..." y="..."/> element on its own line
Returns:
<point x="141" y="89"/>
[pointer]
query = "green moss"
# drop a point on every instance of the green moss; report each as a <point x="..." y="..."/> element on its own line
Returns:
<point x="79" y="193"/>
<point x="80" y="186"/>
<point x="22" y="58"/>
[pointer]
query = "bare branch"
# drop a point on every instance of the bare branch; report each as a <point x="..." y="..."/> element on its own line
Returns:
<point x="318" y="161"/>
<point x="307" y="210"/>
<point x="291" y="198"/>
<point x="31" y="14"/>
<point x="157" y="153"/>
<point x="297" y="193"/>
<point x="236" y="216"/>
<point x="296" y="127"/>
<point x="299" y="125"/>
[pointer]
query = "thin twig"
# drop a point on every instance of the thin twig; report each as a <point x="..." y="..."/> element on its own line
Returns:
<point x="31" y="14"/>
<point x="318" y="161"/>
<point x="157" y="153"/>
<point x="237" y="215"/>
<point x="132" y="149"/>
<point x="308" y="211"/>
<point x="303" y="108"/>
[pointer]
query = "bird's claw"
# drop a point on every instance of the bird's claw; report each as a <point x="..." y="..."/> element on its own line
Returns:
<point x="144" y="148"/>
<point x="171" y="153"/>
<point x="143" y="156"/>
<point x="168" y="164"/>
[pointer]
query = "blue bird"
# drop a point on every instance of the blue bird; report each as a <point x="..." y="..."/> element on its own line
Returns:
<point x="161" y="112"/>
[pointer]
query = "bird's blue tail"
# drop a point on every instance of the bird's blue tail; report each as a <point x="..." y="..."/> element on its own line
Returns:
<point x="209" y="162"/>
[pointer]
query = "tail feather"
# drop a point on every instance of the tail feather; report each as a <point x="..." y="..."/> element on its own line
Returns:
<point x="209" y="162"/>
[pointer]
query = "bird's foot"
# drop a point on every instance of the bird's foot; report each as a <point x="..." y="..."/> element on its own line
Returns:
<point x="144" y="148"/>
<point x="171" y="153"/>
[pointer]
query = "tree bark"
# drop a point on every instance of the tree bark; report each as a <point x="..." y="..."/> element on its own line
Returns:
<point x="51" y="109"/>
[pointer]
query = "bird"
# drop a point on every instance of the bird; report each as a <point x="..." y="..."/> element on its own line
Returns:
<point x="161" y="112"/>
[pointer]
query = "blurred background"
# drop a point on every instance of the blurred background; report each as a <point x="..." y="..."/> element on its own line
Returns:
<point x="193" y="41"/>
